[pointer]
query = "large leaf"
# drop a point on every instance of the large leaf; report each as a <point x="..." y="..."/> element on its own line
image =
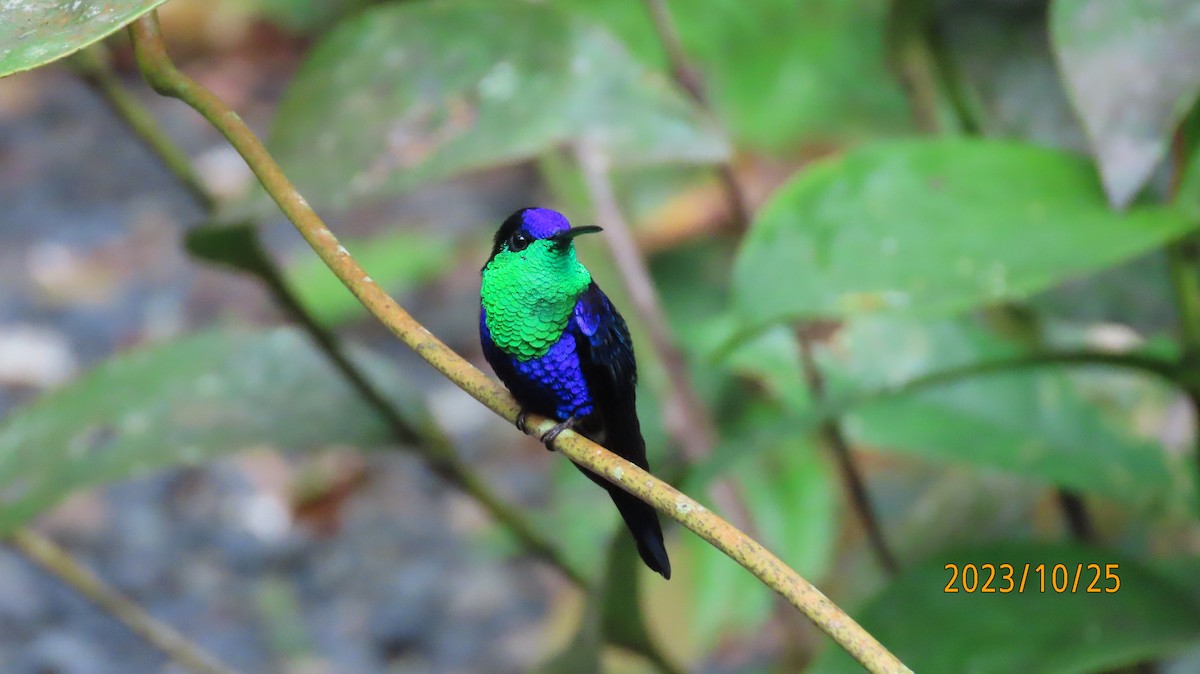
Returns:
<point x="1032" y="632"/>
<point x="933" y="227"/>
<point x="36" y="32"/>
<point x="410" y="92"/>
<point x="1131" y="71"/>
<point x="827" y="79"/>
<point x="183" y="402"/>
<point x="1031" y="422"/>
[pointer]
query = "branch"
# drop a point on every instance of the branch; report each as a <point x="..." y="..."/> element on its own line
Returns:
<point x="924" y="66"/>
<point x="59" y="563"/>
<point x="161" y="73"/>
<point x="831" y="430"/>
<point x="92" y="67"/>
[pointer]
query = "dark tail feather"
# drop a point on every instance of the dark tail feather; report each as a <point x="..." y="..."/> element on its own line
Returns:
<point x="642" y="521"/>
<point x="624" y="437"/>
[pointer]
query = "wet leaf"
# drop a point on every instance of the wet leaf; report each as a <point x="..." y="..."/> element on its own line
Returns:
<point x="933" y="227"/>
<point x="36" y="32"/>
<point x="1037" y="632"/>
<point x="827" y="79"/>
<point x="406" y="93"/>
<point x="1130" y="68"/>
<point x="1032" y="422"/>
<point x="182" y="403"/>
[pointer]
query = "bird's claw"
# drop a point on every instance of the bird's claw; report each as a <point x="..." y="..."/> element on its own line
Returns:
<point x="551" y="435"/>
<point x="523" y="422"/>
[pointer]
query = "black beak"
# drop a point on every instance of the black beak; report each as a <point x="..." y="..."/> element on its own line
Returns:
<point x="563" y="239"/>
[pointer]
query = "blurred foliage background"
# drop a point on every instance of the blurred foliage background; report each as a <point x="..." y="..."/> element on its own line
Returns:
<point x="972" y="223"/>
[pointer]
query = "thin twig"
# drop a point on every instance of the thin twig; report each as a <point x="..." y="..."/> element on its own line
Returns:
<point x="56" y="561"/>
<point x="91" y="65"/>
<point x="910" y="57"/>
<point x="165" y="78"/>
<point x="831" y="431"/>
<point x="1079" y="520"/>
<point x="692" y="426"/>
<point x="689" y="78"/>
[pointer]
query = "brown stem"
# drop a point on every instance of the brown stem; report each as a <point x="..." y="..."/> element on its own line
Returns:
<point x="688" y="77"/>
<point x="56" y="561"/>
<point x="91" y="65"/>
<point x="692" y="424"/>
<point x="831" y="431"/>
<point x="1079" y="521"/>
<point x="162" y="74"/>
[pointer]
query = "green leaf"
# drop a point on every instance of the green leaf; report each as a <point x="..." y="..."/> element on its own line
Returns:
<point x="1130" y="70"/>
<point x="236" y="246"/>
<point x="399" y="261"/>
<point x="791" y="495"/>
<point x="181" y="403"/>
<point x="827" y="79"/>
<point x="1033" y="632"/>
<point x="406" y="93"/>
<point x="36" y="32"/>
<point x="933" y="227"/>
<point x="1032" y="422"/>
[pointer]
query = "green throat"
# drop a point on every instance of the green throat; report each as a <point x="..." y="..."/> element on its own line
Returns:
<point x="529" y="297"/>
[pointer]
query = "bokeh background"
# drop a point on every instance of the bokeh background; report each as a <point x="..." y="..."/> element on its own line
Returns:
<point x="924" y="197"/>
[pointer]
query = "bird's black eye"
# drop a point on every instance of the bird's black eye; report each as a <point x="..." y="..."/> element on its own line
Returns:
<point x="518" y="241"/>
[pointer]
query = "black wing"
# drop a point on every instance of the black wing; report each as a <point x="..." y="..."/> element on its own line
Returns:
<point x="606" y="357"/>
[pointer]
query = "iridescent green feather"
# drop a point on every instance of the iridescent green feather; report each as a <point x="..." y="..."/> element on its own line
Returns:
<point x="529" y="297"/>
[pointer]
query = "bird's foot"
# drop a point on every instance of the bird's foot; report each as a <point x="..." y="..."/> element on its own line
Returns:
<point x="549" y="436"/>
<point x="523" y="422"/>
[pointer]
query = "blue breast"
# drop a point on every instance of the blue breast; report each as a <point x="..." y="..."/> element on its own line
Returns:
<point x="551" y="385"/>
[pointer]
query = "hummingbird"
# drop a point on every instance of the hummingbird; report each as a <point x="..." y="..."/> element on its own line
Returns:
<point x="564" y="352"/>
